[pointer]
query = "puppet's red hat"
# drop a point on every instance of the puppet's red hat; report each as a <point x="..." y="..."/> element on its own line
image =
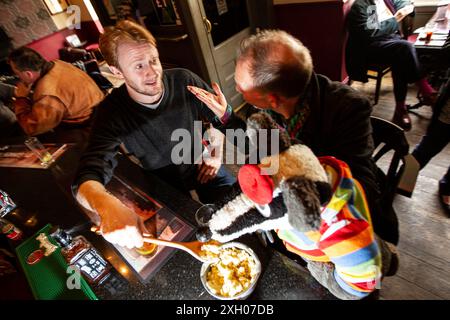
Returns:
<point x="258" y="187"/>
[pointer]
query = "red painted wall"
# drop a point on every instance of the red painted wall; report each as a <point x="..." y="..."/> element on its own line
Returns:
<point x="321" y="28"/>
<point x="48" y="46"/>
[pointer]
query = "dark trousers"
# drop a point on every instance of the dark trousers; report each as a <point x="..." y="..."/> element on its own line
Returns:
<point x="217" y="188"/>
<point x="402" y="57"/>
<point x="184" y="178"/>
<point x="436" y="138"/>
<point x="9" y="126"/>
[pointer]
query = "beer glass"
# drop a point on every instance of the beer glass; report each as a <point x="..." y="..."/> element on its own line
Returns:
<point x="40" y="151"/>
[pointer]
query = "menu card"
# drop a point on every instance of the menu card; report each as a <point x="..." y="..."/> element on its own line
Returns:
<point x="158" y="220"/>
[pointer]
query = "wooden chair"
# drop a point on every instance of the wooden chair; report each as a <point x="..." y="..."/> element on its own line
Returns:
<point x="403" y="168"/>
<point x="377" y="72"/>
<point x="400" y="178"/>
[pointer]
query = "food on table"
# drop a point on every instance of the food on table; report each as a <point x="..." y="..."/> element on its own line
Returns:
<point x="147" y="249"/>
<point x="210" y="250"/>
<point x="233" y="273"/>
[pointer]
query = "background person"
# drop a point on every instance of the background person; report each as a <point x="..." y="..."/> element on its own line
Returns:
<point x="51" y="94"/>
<point x="438" y="132"/>
<point x="374" y="37"/>
<point x="7" y="116"/>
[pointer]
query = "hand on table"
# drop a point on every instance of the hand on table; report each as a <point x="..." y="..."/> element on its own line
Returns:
<point x="120" y="225"/>
<point x="208" y="169"/>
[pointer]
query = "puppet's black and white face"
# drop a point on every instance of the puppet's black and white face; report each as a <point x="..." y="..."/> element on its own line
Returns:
<point x="290" y="198"/>
<point x="296" y="204"/>
<point x="238" y="215"/>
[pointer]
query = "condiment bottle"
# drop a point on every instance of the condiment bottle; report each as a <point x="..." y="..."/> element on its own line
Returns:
<point x="79" y="252"/>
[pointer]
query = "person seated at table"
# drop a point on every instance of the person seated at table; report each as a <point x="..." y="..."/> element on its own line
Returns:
<point x="438" y="134"/>
<point x="374" y="37"/>
<point x="51" y="94"/>
<point x="274" y="72"/>
<point x="143" y="114"/>
<point x="7" y="116"/>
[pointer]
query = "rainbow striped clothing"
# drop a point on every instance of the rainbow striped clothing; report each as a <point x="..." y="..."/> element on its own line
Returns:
<point x="345" y="237"/>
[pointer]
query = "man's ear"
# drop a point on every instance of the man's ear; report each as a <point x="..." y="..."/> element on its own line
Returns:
<point x="115" y="71"/>
<point x="29" y="74"/>
<point x="274" y="100"/>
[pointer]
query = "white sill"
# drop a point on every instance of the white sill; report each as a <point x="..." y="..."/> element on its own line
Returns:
<point x="430" y="3"/>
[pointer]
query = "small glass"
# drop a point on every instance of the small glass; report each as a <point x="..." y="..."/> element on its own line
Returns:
<point x="204" y="214"/>
<point x="39" y="150"/>
<point x="429" y="28"/>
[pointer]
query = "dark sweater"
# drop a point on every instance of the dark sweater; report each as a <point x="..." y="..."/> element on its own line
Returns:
<point x="146" y="133"/>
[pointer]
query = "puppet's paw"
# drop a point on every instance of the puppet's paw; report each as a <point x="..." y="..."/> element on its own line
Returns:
<point x="323" y="272"/>
<point x="395" y="261"/>
<point x="389" y="257"/>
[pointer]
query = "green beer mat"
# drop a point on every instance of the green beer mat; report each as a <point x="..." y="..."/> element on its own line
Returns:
<point x="47" y="278"/>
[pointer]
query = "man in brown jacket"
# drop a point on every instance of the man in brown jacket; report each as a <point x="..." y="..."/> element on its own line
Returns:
<point x="51" y="93"/>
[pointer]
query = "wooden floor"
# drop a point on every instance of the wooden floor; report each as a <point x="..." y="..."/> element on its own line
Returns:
<point x="424" y="247"/>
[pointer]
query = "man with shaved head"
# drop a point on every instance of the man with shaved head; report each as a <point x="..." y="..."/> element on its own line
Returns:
<point x="274" y="72"/>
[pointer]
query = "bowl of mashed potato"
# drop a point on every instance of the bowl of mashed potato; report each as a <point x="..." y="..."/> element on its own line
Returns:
<point x="232" y="273"/>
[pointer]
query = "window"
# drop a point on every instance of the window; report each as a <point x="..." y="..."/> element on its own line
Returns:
<point x="56" y="6"/>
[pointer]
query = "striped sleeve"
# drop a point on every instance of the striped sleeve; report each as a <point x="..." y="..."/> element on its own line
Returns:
<point x="352" y="248"/>
<point x="347" y="238"/>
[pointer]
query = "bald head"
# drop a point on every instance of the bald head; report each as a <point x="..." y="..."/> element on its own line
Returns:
<point x="277" y="62"/>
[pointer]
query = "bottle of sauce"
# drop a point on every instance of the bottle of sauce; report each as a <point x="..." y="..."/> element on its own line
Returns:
<point x="6" y="227"/>
<point x="10" y="230"/>
<point x="79" y="252"/>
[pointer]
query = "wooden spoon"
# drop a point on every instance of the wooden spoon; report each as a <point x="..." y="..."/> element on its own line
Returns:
<point x="194" y="248"/>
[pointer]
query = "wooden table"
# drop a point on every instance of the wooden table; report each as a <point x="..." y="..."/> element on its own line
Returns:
<point x="441" y="22"/>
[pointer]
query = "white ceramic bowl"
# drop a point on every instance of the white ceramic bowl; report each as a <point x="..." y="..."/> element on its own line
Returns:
<point x="244" y="294"/>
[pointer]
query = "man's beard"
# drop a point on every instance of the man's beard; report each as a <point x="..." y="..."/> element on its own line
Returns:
<point x="154" y="92"/>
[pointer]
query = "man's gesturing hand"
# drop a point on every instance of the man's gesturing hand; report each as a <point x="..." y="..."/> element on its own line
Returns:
<point x="217" y="103"/>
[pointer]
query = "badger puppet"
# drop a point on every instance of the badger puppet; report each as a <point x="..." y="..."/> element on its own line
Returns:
<point x="316" y="208"/>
